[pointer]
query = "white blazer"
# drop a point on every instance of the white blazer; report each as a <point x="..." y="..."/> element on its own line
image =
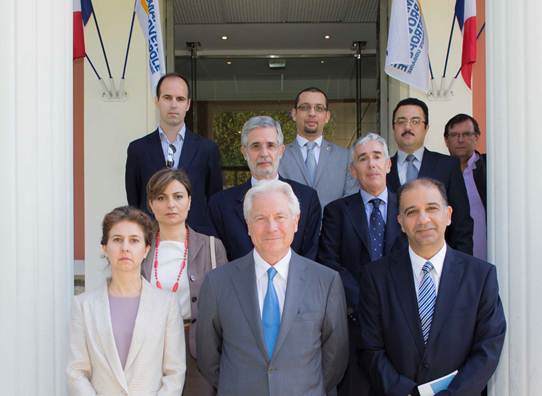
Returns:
<point x="156" y="362"/>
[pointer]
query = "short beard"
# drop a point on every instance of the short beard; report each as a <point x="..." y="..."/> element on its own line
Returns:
<point x="309" y="131"/>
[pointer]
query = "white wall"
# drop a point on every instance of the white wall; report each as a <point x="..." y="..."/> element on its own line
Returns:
<point x="438" y="20"/>
<point x="110" y="126"/>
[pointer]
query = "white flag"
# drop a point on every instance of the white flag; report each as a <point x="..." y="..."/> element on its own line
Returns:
<point x="407" y="55"/>
<point x="148" y="13"/>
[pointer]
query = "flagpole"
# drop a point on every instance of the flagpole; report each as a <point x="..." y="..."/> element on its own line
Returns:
<point x="101" y="81"/>
<point x="449" y="46"/>
<point x="477" y="37"/>
<point x="121" y="86"/>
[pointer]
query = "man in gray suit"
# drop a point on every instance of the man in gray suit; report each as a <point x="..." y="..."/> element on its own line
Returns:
<point x="272" y="322"/>
<point x="312" y="160"/>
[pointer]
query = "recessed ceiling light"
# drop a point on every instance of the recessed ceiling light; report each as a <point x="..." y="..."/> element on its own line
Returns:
<point x="224" y="37"/>
<point x="273" y="56"/>
<point x="228" y="62"/>
<point x="322" y="61"/>
<point x="327" y="36"/>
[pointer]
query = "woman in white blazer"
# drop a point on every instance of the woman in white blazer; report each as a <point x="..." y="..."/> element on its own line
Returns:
<point x="126" y="338"/>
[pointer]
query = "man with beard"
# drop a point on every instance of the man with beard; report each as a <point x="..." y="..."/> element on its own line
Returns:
<point x="311" y="159"/>
<point x="413" y="160"/>
<point x="262" y="147"/>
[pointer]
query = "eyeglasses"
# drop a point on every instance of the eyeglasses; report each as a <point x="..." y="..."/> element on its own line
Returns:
<point x="464" y="135"/>
<point x="305" y="107"/>
<point x="402" y="122"/>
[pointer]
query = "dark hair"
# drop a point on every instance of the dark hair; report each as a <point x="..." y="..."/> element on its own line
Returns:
<point x="132" y="215"/>
<point x="171" y="75"/>
<point x="413" y="102"/>
<point x="310" y="89"/>
<point x="161" y="179"/>
<point x="422" y="181"/>
<point x="458" y="118"/>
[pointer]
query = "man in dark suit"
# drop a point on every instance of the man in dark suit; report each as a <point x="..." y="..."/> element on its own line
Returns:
<point x="272" y="323"/>
<point x="356" y="230"/>
<point x="262" y="146"/>
<point x="461" y="135"/>
<point x="412" y="160"/>
<point x="429" y="310"/>
<point x="173" y="145"/>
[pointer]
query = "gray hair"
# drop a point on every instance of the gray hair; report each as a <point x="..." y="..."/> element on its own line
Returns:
<point x="261" y="122"/>
<point x="269" y="186"/>
<point x="371" y="136"/>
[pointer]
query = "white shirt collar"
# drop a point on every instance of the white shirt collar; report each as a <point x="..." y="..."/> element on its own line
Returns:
<point x="255" y="182"/>
<point x="301" y="141"/>
<point x="282" y="266"/>
<point x="418" y="154"/>
<point x="437" y="260"/>
<point x="179" y="137"/>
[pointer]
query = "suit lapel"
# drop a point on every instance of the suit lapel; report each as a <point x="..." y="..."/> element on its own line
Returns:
<point x="401" y="273"/>
<point x="189" y="150"/>
<point x="392" y="179"/>
<point x="323" y="160"/>
<point x="358" y="218"/>
<point x="155" y="151"/>
<point x="195" y="243"/>
<point x="428" y="164"/>
<point x="104" y="328"/>
<point x="298" y="158"/>
<point x="392" y="227"/>
<point x="450" y="280"/>
<point x="245" y="286"/>
<point x="243" y="188"/>
<point x="144" y="313"/>
<point x="295" y="291"/>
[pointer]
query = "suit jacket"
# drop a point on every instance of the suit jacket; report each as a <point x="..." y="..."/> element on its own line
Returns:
<point x="445" y="169"/>
<point x="344" y="241"/>
<point x="333" y="179"/>
<point x="480" y="177"/>
<point x="226" y="209"/>
<point x="312" y="347"/>
<point x="156" y="362"/>
<point x="200" y="159"/>
<point x="199" y="263"/>
<point x="467" y="329"/>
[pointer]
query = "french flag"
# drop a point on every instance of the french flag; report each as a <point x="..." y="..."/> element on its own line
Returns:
<point x="82" y="10"/>
<point x="465" y="12"/>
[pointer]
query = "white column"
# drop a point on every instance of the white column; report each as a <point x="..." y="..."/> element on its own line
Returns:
<point x="514" y="142"/>
<point x="36" y="285"/>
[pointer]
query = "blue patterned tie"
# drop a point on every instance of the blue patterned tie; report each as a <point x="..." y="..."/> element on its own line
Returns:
<point x="377" y="229"/>
<point x="270" y="314"/>
<point x="310" y="161"/>
<point x="426" y="300"/>
<point x="411" y="171"/>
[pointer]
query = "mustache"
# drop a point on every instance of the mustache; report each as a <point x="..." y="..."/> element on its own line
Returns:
<point x="407" y="133"/>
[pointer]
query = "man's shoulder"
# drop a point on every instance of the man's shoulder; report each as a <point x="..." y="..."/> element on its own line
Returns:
<point x="314" y="268"/>
<point x="472" y="264"/>
<point x="440" y="158"/>
<point x="144" y="140"/>
<point x="228" y="195"/>
<point x="342" y="203"/>
<point x="200" y="140"/>
<point x="335" y="148"/>
<point x="300" y="189"/>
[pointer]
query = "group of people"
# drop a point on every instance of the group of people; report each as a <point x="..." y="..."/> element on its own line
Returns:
<point x="330" y="271"/>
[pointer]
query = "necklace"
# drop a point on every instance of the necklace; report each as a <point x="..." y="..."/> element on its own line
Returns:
<point x="181" y="268"/>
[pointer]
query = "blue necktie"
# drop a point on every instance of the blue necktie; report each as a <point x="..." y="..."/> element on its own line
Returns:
<point x="426" y="300"/>
<point x="377" y="229"/>
<point x="411" y="171"/>
<point x="310" y="161"/>
<point x="270" y="314"/>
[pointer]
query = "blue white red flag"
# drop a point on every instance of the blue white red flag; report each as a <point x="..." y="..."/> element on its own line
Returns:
<point x="465" y="12"/>
<point x="407" y="54"/>
<point x="148" y="13"/>
<point x="82" y="10"/>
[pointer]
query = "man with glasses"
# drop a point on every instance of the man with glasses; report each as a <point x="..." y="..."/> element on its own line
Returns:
<point x="312" y="160"/>
<point x="262" y="145"/>
<point x="172" y="145"/>
<point x="413" y="160"/>
<point x="461" y="135"/>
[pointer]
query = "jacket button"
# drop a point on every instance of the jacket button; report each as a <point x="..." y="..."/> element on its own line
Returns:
<point x="193" y="277"/>
<point x="194" y="299"/>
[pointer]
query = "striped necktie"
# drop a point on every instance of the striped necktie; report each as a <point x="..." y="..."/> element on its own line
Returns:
<point x="426" y="300"/>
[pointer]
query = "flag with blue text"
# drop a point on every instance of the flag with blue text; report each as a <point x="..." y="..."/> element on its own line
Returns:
<point x="148" y="13"/>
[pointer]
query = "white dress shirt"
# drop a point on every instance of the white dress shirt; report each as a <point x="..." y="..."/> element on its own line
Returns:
<point x="402" y="163"/>
<point x="279" y="281"/>
<point x="417" y="264"/>
<point x="301" y="142"/>
<point x="255" y="182"/>
<point x="170" y="256"/>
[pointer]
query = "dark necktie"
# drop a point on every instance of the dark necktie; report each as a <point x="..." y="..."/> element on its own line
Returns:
<point x="377" y="228"/>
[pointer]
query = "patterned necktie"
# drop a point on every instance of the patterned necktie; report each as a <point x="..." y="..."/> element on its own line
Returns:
<point x="426" y="300"/>
<point x="270" y="314"/>
<point x="310" y="161"/>
<point x="411" y="171"/>
<point x="377" y="229"/>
